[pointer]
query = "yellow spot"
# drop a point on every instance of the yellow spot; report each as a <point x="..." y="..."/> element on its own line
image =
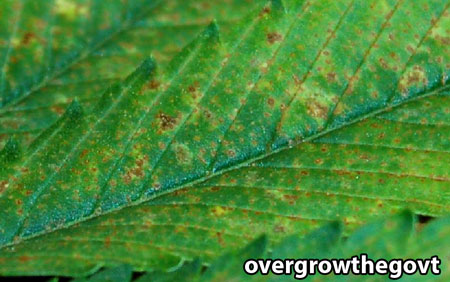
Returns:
<point x="70" y="9"/>
<point x="219" y="211"/>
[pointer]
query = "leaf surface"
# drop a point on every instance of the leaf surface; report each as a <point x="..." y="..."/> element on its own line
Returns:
<point x="289" y="192"/>
<point x="390" y="238"/>
<point x="229" y="100"/>
<point x="161" y="30"/>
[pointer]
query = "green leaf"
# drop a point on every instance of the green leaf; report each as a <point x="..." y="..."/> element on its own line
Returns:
<point x="230" y="210"/>
<point x="115" y="48"/>
<point x="121" y="273"/>
<point x="232" y="108"/>
<point x="187" y="271"/>
<point x="44" y="39"/>
<point x="388" y="238"/>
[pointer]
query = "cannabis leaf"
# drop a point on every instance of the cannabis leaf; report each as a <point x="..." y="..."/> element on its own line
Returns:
<point x="394" y="237"/>
<point x="117" y="40"/>
<point x="388" y="239"/>
<point x="231" y="115"/>
<point x="290" y="192"/>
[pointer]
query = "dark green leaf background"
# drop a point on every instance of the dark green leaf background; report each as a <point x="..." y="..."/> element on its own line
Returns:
<point x="140" y="135"/>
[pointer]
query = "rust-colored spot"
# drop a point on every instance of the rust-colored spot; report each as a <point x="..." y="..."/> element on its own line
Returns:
<point x="220" y="239"/>
<point x="57" y="109"/>
<point x="317" y="110"/>
<point x="271" y="102"/>
<point x="331" y="77"/>
<point x="383" y="63"/>
<point x="166" y="121"/>
<point x="107" y="242"/>
<point x="3" y="185"/>
<point x="207" y="114"/>
<point x="231" y="153"/>
<point x="127" y="178"/>
<point x="83" y="153"/>
<point x="25" y="259"/>
<point x="279" y="228"/>
<point x="153" y="84"/>
<point x="27" y="37"/>
<point x="191" y="88"/>
<point x="265" y="11"/>
<point x="291" y="198"/>
<point x="273" y="37"/>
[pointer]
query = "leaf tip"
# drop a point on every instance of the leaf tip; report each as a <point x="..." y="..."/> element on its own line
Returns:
<point x="278" y="6"/>
<point x="212" y="30"/>
<point x="148" y="65"/>
<point x="74" y="110"/>
<point x="11" y="151"/>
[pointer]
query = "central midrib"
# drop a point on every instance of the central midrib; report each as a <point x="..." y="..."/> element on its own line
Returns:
<point x="247" y="162"/>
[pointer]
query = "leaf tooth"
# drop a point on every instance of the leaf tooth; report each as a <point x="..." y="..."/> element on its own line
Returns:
<point x="278" y="6"/>
<point x="142" y="72"/>
<point x="74" y="111"/>
<point x="212" y="31"/>
<point x="131" y="84"/>
<point x="11" y="151"/>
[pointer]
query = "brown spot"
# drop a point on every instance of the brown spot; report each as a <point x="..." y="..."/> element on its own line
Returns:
<point x="3" y="185"/>
<point x="271" y="102"/>
<point x="231" y="153"/>
<point x="126" y="178"/>
<point x="153" y="84"/>
<point x="410" y="49"/>
<point x="24" y="258"/>
<point x="383" y="63"/>
<point x="274" y="37"/>
<point x="331" y="77"/>
<point x="107" y="242"/>
<point x="83" y="153"/>
<point x="191" y="88"/>
<point x="291" y="198"/>
<point x="220" y="239"/>
<point x="279" y="228"/>
<point x="319" y="161"/>
<point x="183" y="154"/>
<point x="27" y="37"/>
<point x="57" y="109"/>
<point x="317" y="110"/>
<point x="167" y="122"/>
<point x="265" y="11"/>
<point x="207" y="114"/>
